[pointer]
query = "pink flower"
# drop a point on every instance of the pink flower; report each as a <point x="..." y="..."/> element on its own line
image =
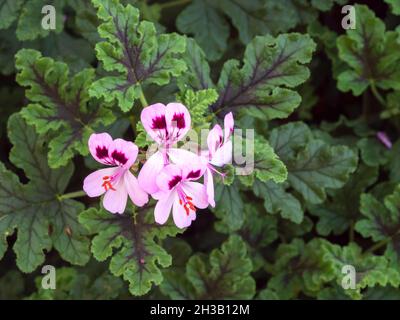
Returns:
<point x="383" y="137"/>
<point x="116" y="182"/>
<point x="178" y="191"/>
<point x="166" y="125"/>
<point x="219" y="153"/>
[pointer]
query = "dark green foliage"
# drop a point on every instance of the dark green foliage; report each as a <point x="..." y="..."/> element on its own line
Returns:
<point x="323" y="191"/>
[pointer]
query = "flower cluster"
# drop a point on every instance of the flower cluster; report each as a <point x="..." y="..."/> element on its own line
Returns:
<point x="171" y="175"/>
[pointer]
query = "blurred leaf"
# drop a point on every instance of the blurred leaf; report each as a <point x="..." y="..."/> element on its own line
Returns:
<point x="202" y="19"/>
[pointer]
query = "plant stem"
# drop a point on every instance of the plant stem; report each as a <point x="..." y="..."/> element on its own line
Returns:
<point x="173" y="3"/>
<point x="142" y="98"/>
<point x="378" y="245"/>
<point x="376" y="94"/>
<point x="71" y="195"/>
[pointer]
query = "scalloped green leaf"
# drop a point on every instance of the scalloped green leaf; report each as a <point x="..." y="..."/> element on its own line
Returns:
<point x="371" y="54"/>
<point x="382" y="222"/>
<point x="44" y="219"/>
<point x="30" y="20"/>
<point x="276" y="199"/>
<point x="262" y="87"/>
<point x="312" y="164"/>
<point x="370" y="270"/>
<point x="59" y="105"/>
<point x="132" y="244"/>
<point x="299" y="267"/>
<point x="342" y="207"/>
<point x="134" y="53"/>
<point x="224" y="274"/>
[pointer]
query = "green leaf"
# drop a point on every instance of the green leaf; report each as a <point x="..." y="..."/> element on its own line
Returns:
<point x="318" y="167"/>
<point x="342" y="209"/>
<point x="373" y="153"/>
<point x="382" y="222"/>
<point x="202" y="19"/>
<point x="9" y="12"/>
<point x="59" y="105"/>
<point x="312" y="164"/>
<point x="198" y="103"/>
<point x="76" y="284"/>
<point x="224" y="275"/>
<point x="258" y="231"/>
<point x="265" y="164"/>
<point x="197" y="75"/>
<point x="229" y="206"/>
<point x="132" y="243"/>
<point x="251" y="18"/>
<point x="370" y="53"/>
<point x="370" y="270"/>
<point x="276" y="199"/>
<point x="262" y="87"/>
<point x="394" y="6"/>
<point x="30" y="21"/>
<point x="43" y="219"/>
<point x="300" y="267"/>
<point x="134" y="53"/>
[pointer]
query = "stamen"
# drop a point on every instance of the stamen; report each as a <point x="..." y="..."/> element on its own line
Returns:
<point x="107" y="183"/>
<point x="186" y="202"/>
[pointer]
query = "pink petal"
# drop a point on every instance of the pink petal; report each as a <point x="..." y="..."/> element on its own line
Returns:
<point x="154" y="122"/>
<point x="181" y="218"/>
<point x="209" y="184"/>
<point x="383" y="137"/>
<point x="137" y="195"/>
<point x="93" y="183"/>
<point x="223" y="155"/>
<point x="178" y="120"/>
<point x="163" y="207"/>
<point x="214" y="139"/>
<point x="149" y="172"/>
<point x="115" y="200"/>
<point x="99" y="144"/>
<point x="123" y="153"/>
<point x="182" y="157"/>
<point x="169" y="177"/>
<point x="197" y="192"/>
<point x="228" y="126"/>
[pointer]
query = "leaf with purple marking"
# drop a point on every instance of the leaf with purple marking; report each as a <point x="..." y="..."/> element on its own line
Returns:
<point x="132" y="243"/>
<point x="44" y="220"/>
<point x="59" y="105"/>
<point x="263" y="86"/>
<point x="134" y="52"/>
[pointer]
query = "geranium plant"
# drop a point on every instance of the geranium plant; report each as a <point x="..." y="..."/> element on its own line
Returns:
<point x="198" y="149"/>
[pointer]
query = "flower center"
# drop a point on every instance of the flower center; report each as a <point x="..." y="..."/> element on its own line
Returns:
<point x="185" y="201"/>
<point x="107" y="185"/>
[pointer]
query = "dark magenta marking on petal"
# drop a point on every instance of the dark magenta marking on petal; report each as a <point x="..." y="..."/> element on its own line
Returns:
<point x="159" y="123"/>
<point x="101" y="152"/>
<point x="119" y="156"/>
<point x="175" y="180"/>
<point x="179" y="120"/>
<point x="193" y="174"/>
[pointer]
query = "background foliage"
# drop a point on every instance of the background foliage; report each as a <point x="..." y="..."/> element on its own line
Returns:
<point x="325" y="191"/>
